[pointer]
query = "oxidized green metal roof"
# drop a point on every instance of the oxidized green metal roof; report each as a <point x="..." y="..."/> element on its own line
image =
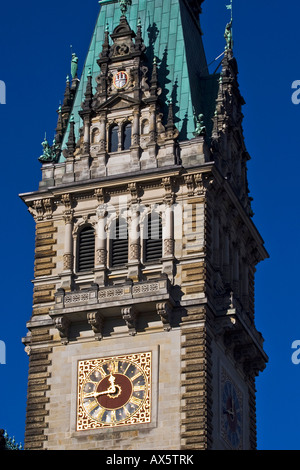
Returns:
<point x="171" y="33"/>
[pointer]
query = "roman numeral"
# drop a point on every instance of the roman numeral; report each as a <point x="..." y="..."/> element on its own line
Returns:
<point x="135" y="401"/>
<point x="139" y="388"/>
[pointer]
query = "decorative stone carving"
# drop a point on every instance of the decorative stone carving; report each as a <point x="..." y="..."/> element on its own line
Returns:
<point x="168" y="247"/>
<point x="38" y="207"/>
<point x="100" y="195"/>
<point x="101" y="255"/>
<point x="164" y="311"/>
<point x="62" y="324"/>
<point x="129" y="315"/>
<point x="189" y="181"/>
<point x="48" y="207"/>
<point x="203" y="181"/>
<point x="68" y="261"/>
<point x="133" y="188"/>
<point x="67" y="201"/>
<point x="169" y="190"/>
<point x="134" y="252"/>
<point x="96" y="320"/>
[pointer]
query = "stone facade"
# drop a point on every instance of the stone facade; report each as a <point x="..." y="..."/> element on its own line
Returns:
<point x="193" y="308"/>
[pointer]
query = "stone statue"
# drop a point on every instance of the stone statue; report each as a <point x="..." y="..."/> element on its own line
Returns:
<point x="48" y="155"/>
<point x="228" y="36"/>
<point x="124" y="4"/>
<point x="74" y="65"/>
<point x="200" y="128"/>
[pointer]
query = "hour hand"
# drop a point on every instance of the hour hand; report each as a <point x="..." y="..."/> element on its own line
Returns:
<point x="97" y="394"/>
<point x="111" y="389"/>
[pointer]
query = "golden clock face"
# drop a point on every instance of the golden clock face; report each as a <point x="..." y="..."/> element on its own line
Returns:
<point x="114" y="391"/>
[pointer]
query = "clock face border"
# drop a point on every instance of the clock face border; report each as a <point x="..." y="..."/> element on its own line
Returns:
<point x="141" y="408"/>
<point x="231" y="432"/>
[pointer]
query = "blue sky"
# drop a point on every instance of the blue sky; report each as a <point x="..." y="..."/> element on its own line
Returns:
<point x="35" y="39"/>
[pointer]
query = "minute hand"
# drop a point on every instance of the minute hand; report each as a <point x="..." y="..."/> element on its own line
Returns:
<point x="111" y="389"/>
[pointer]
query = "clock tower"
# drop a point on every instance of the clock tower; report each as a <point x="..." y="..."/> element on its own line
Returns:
<point x="142" y="334"/>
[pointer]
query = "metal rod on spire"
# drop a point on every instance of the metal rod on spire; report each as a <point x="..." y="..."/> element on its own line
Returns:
<point x="105" y="2"/>
<point x="230" y="7"/>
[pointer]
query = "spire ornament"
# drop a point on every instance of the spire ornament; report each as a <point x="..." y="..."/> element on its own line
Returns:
<point x="228" y="30"/>
<point x="49" y="153"/>
<point x="124" y="4"/>
<point x="74" y="65"/>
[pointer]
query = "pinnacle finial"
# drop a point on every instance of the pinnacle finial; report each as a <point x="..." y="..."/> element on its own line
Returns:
<point x="228" y="31"/>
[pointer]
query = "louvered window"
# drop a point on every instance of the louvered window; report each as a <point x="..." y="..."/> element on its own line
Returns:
<point x="119" y="243"/>
<point x="86" y="249"/>
<point x="153" y="242"/>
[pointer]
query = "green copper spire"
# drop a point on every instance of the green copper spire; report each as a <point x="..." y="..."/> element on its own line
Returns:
<point x="171" y="34"/>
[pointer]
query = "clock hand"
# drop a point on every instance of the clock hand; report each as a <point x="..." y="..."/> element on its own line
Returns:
<point x="111" y="389"/>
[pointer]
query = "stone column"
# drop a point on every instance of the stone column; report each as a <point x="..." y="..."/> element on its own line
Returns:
<point x="102" y="133"/>
<point x="101" y="247"/>
<point x="134" y="244"/>
<point x="168" y="232"/>
<point x="135" y="142"/>
<point x="82" y="166"/>
<point x="168" y="241"/>
<point x="86" y="135"/>
<point x="68" y="257"/>
<point x="136" y="127"/>
<point x="68" y="252"/>
<point x="98" y="167"/>
<point x="152" y="145"/>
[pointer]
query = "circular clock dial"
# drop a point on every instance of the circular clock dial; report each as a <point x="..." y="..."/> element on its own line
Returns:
<point x="120" y="80"/>
<point x="232" y="413"/>
<point x="114" y="391"/>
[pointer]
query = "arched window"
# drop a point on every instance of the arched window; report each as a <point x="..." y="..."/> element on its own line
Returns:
<point x="113" y="142"/>
<point x="126" y="136"/>
<point x="119" y="243"/>
<point x="153" y="242"/>
<point x="86" y="249"/>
